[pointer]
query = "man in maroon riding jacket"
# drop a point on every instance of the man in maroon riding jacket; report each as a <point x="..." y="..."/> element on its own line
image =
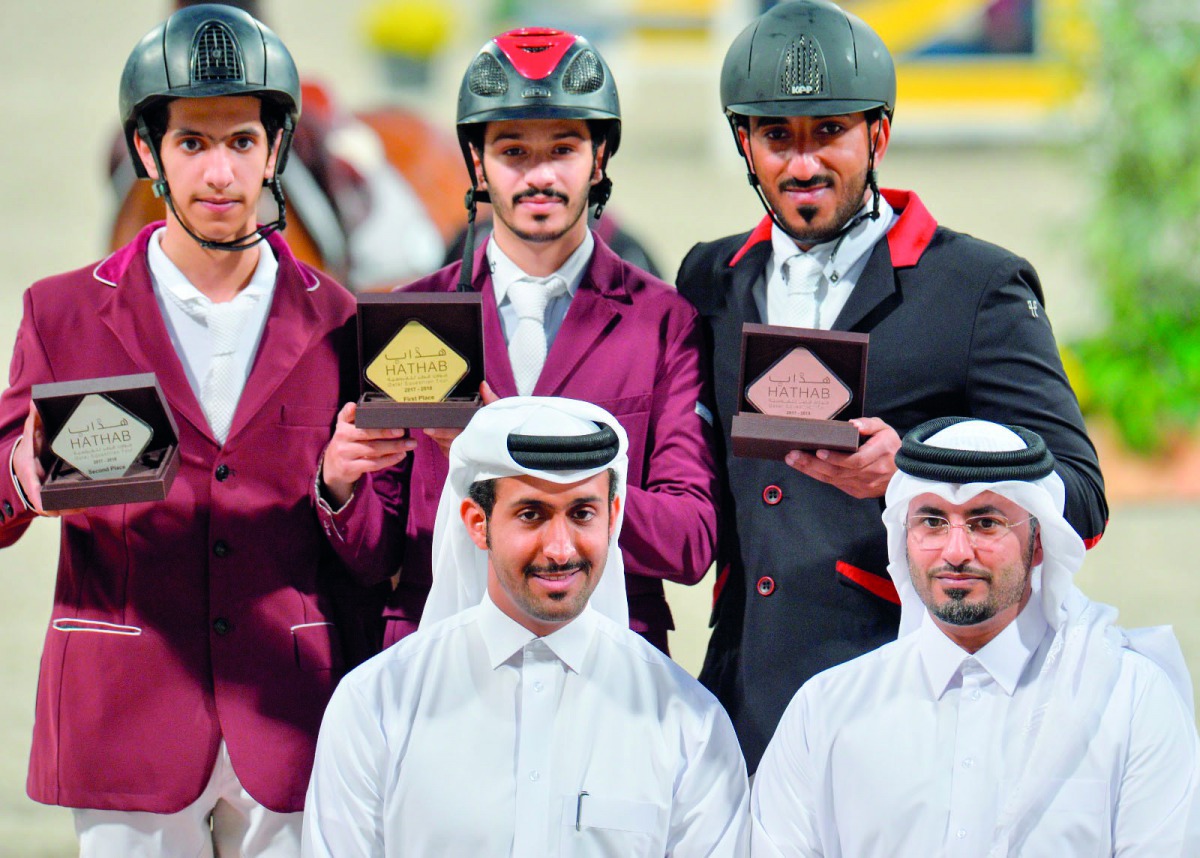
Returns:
<point x="538" y="119"/>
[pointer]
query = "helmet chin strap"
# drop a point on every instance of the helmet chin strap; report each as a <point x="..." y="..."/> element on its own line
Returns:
<point x="598" y="196"/>
<point x="163" y="191"/>
<point x="467" y="270"/>
<point x="599" y="193"/>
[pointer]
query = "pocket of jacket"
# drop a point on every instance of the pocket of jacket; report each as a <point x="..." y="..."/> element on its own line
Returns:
<point x="78" y="624"/>
<point x="876" y="585"/>
<point x="317" y="646"/>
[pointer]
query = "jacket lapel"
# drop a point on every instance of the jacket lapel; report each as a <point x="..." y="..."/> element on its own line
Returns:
<point x="727" y="321"/>
<point x="875" y="285"/>
<point x="133" y="315"/>
<point x="906" y="241"/>
<point x="499" y="369"/>
<point x="292" y="324"/>
<point x="595" y="310"/>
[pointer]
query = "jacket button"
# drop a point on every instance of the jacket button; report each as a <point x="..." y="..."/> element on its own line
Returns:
<point x="766" y="585"/>
<point x="7" y="508"/>
<point x="222" y="626"/>
<point x="222" y="473"/>
<point x="221" y="548"/>
<point x="772" y="495"/>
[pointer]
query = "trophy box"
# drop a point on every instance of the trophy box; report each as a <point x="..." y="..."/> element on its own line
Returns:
<point x="797" y="389"/>
<point x="108" y="441"/>
<point x="420" y="357"/>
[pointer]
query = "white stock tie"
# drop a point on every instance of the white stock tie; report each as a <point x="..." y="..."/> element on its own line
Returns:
<point x="527" y="345"/>
<point x="803" y="277"/>
<point x="221" y="387"/>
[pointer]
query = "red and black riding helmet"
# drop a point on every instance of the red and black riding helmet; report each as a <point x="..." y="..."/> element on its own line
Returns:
<point x="539" y="73"/>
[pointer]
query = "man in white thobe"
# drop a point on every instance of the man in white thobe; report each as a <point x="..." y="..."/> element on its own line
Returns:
<point x="524" y="718"/>
<point x="1012" y="717"/>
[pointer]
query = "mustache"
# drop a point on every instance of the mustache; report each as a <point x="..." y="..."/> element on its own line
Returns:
<point x="584" y="566"/>
<point x="818" y="181"/>
<point x="961" y="569"/>
<point x="536" y="192"/>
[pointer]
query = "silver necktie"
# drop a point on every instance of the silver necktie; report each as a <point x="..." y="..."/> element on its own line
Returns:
<point x="527" y="345"/>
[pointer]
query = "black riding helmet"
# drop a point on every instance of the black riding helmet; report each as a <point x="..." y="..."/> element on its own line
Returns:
<point x="536" y="73"/>
<point x="807" y="58"/>
<point x="204" y="51"/>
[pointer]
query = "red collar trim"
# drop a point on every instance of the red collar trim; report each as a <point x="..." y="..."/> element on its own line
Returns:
<point x="912" y="232"/>
<point x="761" y="233"/>
<point x="907" y="239"/>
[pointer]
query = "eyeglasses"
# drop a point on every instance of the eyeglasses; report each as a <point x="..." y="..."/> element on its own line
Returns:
<point x="983" y="531"/>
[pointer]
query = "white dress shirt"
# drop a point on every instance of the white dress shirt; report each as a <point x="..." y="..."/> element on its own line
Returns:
<point x="843" y="261"/>
<point x="189" y="335"/>
<point x="505" y="272"/>
<point x="476" y="738"/>
<point x="907" y="751"/>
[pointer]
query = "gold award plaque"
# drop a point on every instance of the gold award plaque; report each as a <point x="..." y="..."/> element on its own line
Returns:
<point x="100" y="439"/>
<point x="417" y="366"/>
<point x="799" y="385"/>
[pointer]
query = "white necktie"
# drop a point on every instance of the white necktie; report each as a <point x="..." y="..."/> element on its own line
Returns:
<point x="803" y="276"/>
<point x="527" y="345"/>
<point x="221" y="388"/>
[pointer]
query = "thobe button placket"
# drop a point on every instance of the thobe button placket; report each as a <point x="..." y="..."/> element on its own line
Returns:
<point x="535" y="725"/>
<point x="968" y="787"/>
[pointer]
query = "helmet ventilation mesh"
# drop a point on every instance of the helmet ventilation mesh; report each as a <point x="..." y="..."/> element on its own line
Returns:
<point x="801" y="74"/>
<point x="215" y="55"/>
<point x="487" y="78"/>
<point x="584" y="75"/>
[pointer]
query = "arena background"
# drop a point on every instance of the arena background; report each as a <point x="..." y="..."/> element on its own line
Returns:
<point x="1014" y="176"/>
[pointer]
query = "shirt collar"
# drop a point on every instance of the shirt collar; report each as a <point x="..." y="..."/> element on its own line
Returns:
<point x="1004" y="657"/>
<point x="504" y="637"/>
<point x="168" y="276"/>
<point x="838" y="255"/>
<point x="505" y="272"/>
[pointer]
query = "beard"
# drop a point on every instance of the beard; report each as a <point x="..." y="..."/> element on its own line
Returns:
<point x="504" y="212"/>
<point x="533" y="570"/>
<point x="848" y="205"/>
<point x="957" y="611"/>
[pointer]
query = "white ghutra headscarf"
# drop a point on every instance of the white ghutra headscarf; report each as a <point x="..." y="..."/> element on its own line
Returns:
<point x="559" y="440"/>
<point x="957" y="459"/>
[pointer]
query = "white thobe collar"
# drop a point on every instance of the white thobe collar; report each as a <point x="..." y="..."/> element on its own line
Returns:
<point x="1004" y="657"/>
<point x="504" y="637"/>
<point x="505" y="272"/>
<point x="168" y="276"/>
